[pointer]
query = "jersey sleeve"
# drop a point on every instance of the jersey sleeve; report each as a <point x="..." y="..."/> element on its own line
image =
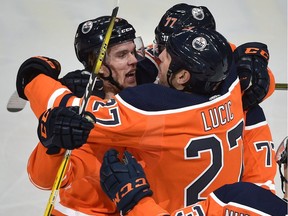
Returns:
<point x="42" y="168"/>
<point x="147" y="206"/>
<point x="43" y="92"/>
<point x="259" y="153"/>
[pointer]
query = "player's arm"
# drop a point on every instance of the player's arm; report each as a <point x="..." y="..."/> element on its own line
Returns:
<point x="55" y="137"/>
<point x="259" y="164"/>
<point x="37" y="81"/>
<point x="42" y="167"/>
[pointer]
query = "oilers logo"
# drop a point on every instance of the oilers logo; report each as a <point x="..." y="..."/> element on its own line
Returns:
<point x="199" y="43"/>
<point x="87" y="27"/>
<point x="198" y="13"/>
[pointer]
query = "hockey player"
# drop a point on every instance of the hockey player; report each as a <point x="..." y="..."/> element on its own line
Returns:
<point x="125" y="183"/>
<point x="82" y="194"/>
<point x="152" y="119"/>
<point x="251" y="64"/>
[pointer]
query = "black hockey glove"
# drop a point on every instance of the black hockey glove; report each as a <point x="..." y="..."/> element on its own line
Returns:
<point x="63" y="127"/>
<point x="33" y="67"/>
<point x="124" y="182"/>
<point x="77" y="82"/>
<point x="251" y="61"/>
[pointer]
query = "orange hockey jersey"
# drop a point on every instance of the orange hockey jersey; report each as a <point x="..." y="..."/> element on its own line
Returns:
<point x="187" y="142"/>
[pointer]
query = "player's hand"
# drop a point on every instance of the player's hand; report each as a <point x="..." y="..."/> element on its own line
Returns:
<point x="251" y="62"/>
<point x="123" y="181"/>
<point x="77" y="82"/>
<point x="33" y="67"/>
<point x="63" y="127"/>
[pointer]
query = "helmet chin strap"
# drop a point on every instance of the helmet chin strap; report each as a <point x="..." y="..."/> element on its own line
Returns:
<point x="110" y="78"/>
<point x="169" y="74"/>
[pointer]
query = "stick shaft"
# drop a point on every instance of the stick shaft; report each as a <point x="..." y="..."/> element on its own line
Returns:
<point x="57" y="183"/>
<point x="281" y="86"/>
<point x="89" y="88"/>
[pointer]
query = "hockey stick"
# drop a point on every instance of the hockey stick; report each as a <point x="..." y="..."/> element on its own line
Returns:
<point x="15" y="103"/>
<point x="281" y="86"/>
<point x="85" y="99"/>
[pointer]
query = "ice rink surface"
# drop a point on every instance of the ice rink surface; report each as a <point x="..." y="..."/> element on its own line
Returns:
<point x="42" y="27"/>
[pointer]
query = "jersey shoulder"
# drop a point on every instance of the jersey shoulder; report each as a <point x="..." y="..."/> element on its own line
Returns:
<point x="154" y="97"/>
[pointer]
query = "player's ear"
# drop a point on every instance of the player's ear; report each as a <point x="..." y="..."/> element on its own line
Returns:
<point x="104" y="71"/>
<point x="180" y="79"/>
<point x="183" y="77"/>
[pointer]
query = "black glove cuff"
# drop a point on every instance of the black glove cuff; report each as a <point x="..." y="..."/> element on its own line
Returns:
<point x="53" y="150"/>
<point x="45" y="139"/>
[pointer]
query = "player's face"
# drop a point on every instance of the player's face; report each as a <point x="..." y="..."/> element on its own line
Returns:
<point x="122" y="62"/>
<point x="165" y="60"/>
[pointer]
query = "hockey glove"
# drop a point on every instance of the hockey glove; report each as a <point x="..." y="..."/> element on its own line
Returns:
<point x="77" y="82"/>
<point x="33" y="67"/>
<point x="124" y="182"/>
<point x="251" y="62"/>
<point x="63" y="127"/>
